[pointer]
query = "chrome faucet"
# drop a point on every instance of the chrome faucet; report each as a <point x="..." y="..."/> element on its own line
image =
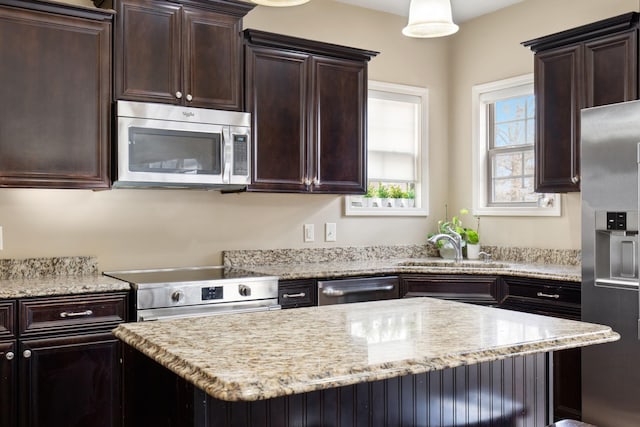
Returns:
<point x="454" y="238"/>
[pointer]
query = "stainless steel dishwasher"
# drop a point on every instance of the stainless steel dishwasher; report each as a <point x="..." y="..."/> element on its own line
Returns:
<point x="344" y="291"/>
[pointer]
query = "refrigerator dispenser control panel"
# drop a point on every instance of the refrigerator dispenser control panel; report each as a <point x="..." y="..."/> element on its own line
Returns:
<point x="617" y="220"/>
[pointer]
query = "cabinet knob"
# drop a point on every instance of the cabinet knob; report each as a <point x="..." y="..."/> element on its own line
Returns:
<point x="575" y="179"/>
<point x="178" y="94"/>
<point x="10" y="355"/>
<point x="316" y="181"/>
<point x="189" y="97"/>
<point x="27" y="354"/>
<point x="307" y="182"/>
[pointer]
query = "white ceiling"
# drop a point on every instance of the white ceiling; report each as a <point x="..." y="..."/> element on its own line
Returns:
<point x="463" y="10"/>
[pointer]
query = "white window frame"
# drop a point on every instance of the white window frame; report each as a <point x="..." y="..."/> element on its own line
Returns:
<point x="422" y="187"/>
<point x="548" y="204"/>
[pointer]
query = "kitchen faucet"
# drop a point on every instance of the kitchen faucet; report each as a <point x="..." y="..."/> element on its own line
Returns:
<point x="453" y="237"/>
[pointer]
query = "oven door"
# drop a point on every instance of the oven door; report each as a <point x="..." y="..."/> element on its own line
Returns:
<point x="358" y="290"/>
<point x="170" y="152"/>
<point x="206" y="310"/>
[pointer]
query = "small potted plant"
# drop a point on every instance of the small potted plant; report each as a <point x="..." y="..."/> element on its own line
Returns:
<point x="411" y="198"/>
<point x="396" y="193"/>
<point x="368" y="196"/>
<point x="472" y="238"/>
<point x="383" y="195"/>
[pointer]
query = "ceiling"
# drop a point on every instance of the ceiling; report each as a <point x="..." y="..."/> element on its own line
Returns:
<point x="463" y="10"/>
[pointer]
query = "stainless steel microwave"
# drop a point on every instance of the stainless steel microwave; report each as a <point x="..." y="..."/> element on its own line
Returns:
<point x="172" y="146"/>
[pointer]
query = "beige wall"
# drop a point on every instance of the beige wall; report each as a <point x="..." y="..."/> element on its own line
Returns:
<point x="155" y="228"/>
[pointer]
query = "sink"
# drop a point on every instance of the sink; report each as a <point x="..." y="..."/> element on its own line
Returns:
<point x="449" y="263"/>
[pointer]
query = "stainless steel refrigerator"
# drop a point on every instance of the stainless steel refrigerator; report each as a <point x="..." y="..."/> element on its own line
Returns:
<point x="610" y="155"/>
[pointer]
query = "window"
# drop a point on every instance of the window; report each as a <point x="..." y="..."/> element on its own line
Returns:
<point x="396" y="142"/>
<point x="503" y="156"/>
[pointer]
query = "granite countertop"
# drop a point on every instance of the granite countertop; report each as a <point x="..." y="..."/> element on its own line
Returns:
<point x="295" y="351"/>
<point x="32" y="277"/>
<point x="60" y="285"/>
<point x="311" y="270"/>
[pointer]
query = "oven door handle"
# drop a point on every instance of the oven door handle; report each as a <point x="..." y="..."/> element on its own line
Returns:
<point x="337" y="291"/>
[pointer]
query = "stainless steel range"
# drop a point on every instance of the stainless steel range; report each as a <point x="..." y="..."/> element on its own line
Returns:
<point x="198" y="291"/>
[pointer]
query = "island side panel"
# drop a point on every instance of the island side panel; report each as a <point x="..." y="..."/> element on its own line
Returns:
<point x="509" y="392"/>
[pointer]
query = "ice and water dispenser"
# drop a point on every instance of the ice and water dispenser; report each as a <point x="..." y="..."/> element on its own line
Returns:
<point x="616" y="248"/>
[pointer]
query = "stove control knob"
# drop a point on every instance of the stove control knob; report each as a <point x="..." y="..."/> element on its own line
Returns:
<point x="177" y="296"/>
<point x="244" y="290"/>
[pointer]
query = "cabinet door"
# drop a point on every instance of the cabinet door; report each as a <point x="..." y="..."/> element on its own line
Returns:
<point x="212" y="60"/>
<point x="8" y="388"/>
<point x="611" y="71"/>
<point x="482" y="290"/>
<point x="558" y="88"/>
<point x="148" y="51"/>
<point x="277" y="99"/>
<point x="71" y="381"/>
<point x="338" y="149"/>
<point x="55" y="121"/>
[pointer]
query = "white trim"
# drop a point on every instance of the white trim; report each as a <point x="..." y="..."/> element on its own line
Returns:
<point x="482" y="94"/>
<point x="422" y="190"/>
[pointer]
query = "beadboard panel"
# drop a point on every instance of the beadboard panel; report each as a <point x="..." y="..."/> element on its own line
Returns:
<point x="510" y="392"/>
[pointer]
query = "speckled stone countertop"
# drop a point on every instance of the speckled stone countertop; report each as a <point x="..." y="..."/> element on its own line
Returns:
<point x="314" y="263"/>
<point x="32" y="277"/>
<point x="296" y="351"/>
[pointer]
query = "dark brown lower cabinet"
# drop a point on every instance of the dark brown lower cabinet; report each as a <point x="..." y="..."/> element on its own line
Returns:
<point x="60" y="366"/>
<point x="502" y="393"/>
<point x="8" y="387"/>
<point x="70" y="381"/>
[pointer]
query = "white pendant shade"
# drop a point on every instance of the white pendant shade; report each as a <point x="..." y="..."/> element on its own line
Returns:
<point x="430" y="18"/>
<point x="280" y="3"/>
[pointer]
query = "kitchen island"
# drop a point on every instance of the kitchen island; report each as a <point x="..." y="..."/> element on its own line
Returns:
<point x="359" y="364"/>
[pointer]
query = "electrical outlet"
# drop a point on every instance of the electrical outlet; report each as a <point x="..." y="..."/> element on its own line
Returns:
<point x="309" y="233"/>
<point x="1" y="244"/>
<point x="330" y="232"/>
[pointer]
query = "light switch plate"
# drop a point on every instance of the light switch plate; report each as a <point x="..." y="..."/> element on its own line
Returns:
<point x="330" y="232"/>
<point x="309" y="233"/>
<point x="1" y="242"/>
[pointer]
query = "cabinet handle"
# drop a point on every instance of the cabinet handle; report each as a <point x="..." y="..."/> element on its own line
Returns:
<point x="85" y="313"/>
<point x="575" y="179"/>
<point x="316" y="181"/>
<point x="10" y="355"/>
<point x="554" y="296"/>
<point x="189" y="97"/>
<point x="178" y="94"/>
<point x="27" y="354"/>
<point x="307" y="182"/>
<point x="298" y="295"/>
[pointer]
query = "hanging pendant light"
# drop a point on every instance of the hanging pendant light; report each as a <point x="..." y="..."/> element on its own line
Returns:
<point x="430" y="18"/>
<point x="280" y="3"/>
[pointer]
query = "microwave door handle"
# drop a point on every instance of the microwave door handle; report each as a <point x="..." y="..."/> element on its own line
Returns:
<point x="226" y="155"/>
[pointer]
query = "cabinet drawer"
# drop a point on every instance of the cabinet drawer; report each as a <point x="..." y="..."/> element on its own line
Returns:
<point x="7" y="319"/>
<point x="465" y="288"/>
<point x="297" y="293"/>
<point x="57" y="314"/>
<point x="547" y="297"/>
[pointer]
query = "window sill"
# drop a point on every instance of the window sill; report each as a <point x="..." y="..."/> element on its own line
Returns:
<point x="358" y="206"/>
<point x="554" y="210"/>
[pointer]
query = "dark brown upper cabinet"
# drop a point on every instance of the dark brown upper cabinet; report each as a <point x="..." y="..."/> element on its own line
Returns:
<point x="55" y="68"/>
<point x="308" y="102"/>
<point x="588" y="66"/>
<point x="179" y="52"/>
